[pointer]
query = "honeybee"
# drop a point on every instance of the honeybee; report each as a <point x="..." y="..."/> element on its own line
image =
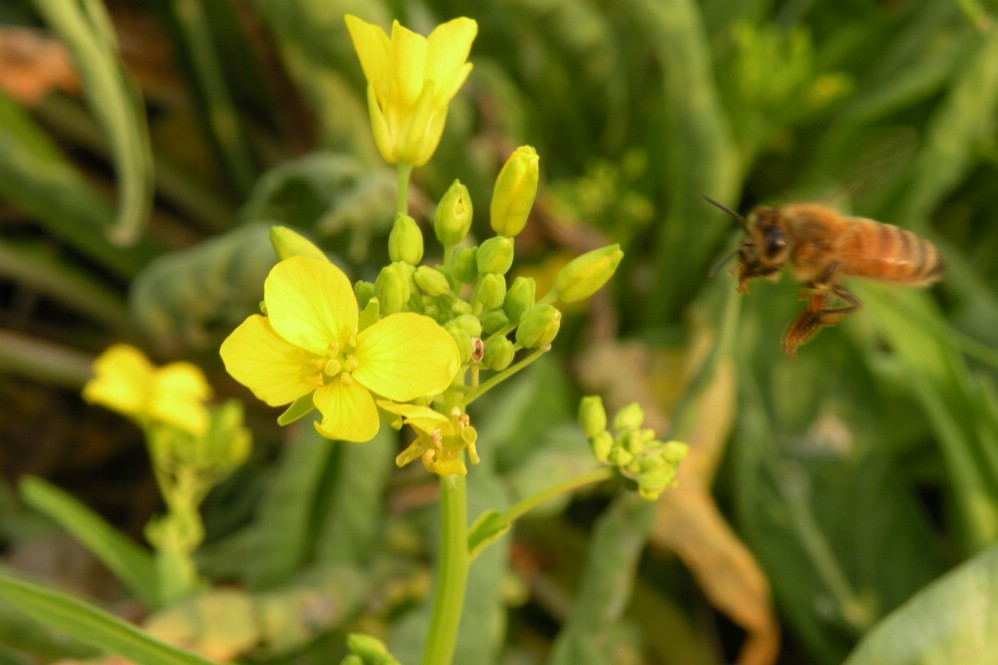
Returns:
<point x="822" y="247"/>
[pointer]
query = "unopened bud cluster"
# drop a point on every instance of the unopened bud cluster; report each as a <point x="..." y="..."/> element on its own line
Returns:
<point x="645" y="462"/>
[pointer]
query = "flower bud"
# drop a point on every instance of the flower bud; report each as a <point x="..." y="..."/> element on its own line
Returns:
<point x="602" y="444"/>
<point x="629" y="418"/>
<point x="431" y="281"/>
<point x="463" y="266"/>
<point x="364" y="292"/>
<point x="494" y="320"/>
<point x="514" y="192"/>
<point x="466" y="323"/>
<point x="592" y="415"/>
<point x="495" y="255"/>
<point x="519" y="298"/>
<point x="288" y="243"/>
<point x="498" y="354"/>
<point x="452" y="220"/>
<point x="463" y="341"/>
<point x="538" y="326"/>
<point x="675" y="451"/>
<point x="392" y="288"/>
<point x="490" y="291"/>
<point x="586" y="274"/>
<point x="405" y="242"/>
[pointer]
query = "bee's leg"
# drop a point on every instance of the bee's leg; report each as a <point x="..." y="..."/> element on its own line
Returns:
<point x="817" y="316"/>
<point x="805" y="326"/>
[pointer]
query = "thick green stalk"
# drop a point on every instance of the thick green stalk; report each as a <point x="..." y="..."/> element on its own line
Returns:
<point x="452" y="572"/>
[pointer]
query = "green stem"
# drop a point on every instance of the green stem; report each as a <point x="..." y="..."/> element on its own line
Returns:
<point x="452" y="572"/>
<point x="402" y="196"/>
<point x="505" y="374"/>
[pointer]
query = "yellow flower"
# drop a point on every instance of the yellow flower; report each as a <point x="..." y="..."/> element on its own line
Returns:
<point x="439" y="440"/>
<point x="410" y="81"/>
<point x="175" y="394"/>
<point x="309" y="344"/>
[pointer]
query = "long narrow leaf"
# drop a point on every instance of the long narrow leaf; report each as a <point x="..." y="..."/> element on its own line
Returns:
<point x="86" y="29"/>
<point x="92" y="625"/>
<point x="129" y="562"/>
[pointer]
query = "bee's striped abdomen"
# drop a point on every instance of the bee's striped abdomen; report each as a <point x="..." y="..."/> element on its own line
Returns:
<point x="890" y="254"/>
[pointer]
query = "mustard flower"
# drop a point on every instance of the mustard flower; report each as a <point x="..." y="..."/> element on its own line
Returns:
<point x="127" y="382"/>
<point x="411" y="79"/>
<point x="439" y="441"/>
<point x="309" y="344"/>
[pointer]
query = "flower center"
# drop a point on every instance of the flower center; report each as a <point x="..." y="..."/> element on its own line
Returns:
<point x="339" y="361"/>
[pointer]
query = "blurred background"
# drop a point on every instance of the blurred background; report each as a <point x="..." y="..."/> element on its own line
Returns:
<point x="146" y="148"/>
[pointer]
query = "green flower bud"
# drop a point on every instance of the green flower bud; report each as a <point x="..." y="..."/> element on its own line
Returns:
<point x="586" y="274"/>
<point x="514" y="192"/>
<point x="592" y="415"/>
<point x="602" y="444"/>
<point x="452" y="220"/>
<point x="674" y="451"/>
<point x="494" y="321"/>
<point x="431" y="281"/>
<point x="490" y="291"/>
<point x="392" y="288"/>
<point x="364" y="292"/>
<point x="538" y="326"/>
<point x="519" y="298"/>
<point x="288" y="243"/>
<point x="463" y="266"/>
<point x="466" y="323"/>
<point x="463" y="341"/>
<point x="629" y="418"/>
<point x="459" y="307"/>
<point x="498" y="354"/>
<point x="495" y="255"/>
<point x="405" y="242"/>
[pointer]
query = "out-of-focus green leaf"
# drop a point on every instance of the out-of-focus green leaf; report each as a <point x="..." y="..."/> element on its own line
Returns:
<point x="952" y="400"/>
<point x="36" y="179"/>
<point x="43" y="361"/>
<point x="595" y="630"/>
<point x="181" y="297"/>
<point x="350" y="505"/>
<point x="694" y="145"/>
<point x="826" y="516"/>
<point x="950" y="621"/>
<point x="133" y="565"/>
<point x="86" y="29"/>
<point x="93" y="626"/>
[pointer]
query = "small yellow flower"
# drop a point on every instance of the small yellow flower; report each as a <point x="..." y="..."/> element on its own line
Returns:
<point x="175" y="394"/>
<point x="411" y="79"/>
<point x="439" y="440"/>
<point x="309" y="344"/>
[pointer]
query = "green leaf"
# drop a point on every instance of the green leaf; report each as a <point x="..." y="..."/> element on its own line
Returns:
<point x="85" y="27"/>
<point x="92" y="625"/>
<point x="489" y="527"/>
<point x="950" y="621"/>
<point x="133" y="565"/>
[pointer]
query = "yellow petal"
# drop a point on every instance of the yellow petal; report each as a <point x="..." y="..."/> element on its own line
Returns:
<point x="421" y="418"/>
<point x="372" y="46"/>
<point x="348" y="412"/>
<point x="310" y="303"/>
<point x="405" y="356"/>
<point x="177" y="397"/>
<point x="447" y="56"/>
<point x="408" y="65"/>
<point x="277" y="372"/>
<point x="122" y="375"/>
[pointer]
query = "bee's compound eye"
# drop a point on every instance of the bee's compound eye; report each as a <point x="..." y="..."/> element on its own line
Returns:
<point x="776" y="242"/>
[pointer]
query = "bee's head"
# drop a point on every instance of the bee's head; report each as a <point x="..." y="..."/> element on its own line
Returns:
<point x="763" y="249"/>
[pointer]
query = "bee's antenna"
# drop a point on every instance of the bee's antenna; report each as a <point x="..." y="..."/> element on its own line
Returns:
<point x="741" y="220"/>
<point x="721" y="262"/>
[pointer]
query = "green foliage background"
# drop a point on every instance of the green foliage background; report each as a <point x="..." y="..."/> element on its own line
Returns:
<point x="857" y="476"/>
